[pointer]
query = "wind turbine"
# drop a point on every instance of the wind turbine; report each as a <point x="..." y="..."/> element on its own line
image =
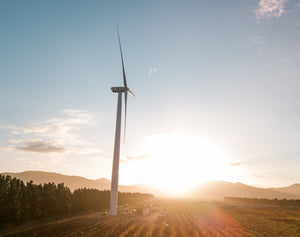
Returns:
<point x="115" y="169"/>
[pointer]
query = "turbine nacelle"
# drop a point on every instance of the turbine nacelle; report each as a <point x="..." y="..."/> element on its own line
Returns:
<point x="119" y="89"/>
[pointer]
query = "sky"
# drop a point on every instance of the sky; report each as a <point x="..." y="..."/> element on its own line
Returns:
<point x="216" y="83"/>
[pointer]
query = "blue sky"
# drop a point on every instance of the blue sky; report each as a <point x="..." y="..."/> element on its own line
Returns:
<point x="223" y="73"/>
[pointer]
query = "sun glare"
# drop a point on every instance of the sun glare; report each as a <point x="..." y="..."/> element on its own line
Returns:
<point x="177" y="163"/>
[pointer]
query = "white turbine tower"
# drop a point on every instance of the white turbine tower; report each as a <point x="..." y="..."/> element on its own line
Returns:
<point x="115" y="169"/>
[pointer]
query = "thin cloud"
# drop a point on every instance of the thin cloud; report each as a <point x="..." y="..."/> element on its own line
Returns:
<point x="285" y="60"/>
<point x="133" y="158"/>
<point x="151" y="71"/>
<point x="76" y="117"/>
<point x="235" y="164"/>
<point x="257" y="40"/>
<point x="270" y="9"/>
<point x="54" y="135"/>
<point x="40" y="146"/>
<point x="259" y="176"/>
<point x="5" y="125"/>
<point x="136" y="157"/>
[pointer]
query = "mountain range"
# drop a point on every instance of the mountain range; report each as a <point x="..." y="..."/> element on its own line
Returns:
<point x="208" y="190"/>
<point x="220" y="189"/>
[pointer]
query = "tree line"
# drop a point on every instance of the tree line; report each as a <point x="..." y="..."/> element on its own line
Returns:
<point x="264" y="201"/>
<point x="20" y="202"/>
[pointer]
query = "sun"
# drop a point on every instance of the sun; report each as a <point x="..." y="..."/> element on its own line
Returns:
<point x="176" y="163"/>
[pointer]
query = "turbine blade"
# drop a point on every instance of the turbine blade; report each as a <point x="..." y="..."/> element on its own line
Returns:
<point x="124" y="75"/>
<point x="130" y="92"/>
<point x="125" y="114"/>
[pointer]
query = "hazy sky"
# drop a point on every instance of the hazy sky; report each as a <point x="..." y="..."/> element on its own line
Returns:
<point x="217" y="88"/>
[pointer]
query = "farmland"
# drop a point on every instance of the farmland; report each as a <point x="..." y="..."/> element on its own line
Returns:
<point x="180" y="218"/>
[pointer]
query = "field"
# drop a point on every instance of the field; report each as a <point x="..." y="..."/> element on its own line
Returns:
<point x="178" y="218"/>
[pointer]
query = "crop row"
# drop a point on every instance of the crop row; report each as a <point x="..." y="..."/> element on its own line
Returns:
<point x="180" y="220"/>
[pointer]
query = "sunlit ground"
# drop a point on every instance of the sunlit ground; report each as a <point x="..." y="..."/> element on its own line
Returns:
<point x="184" y="218"/>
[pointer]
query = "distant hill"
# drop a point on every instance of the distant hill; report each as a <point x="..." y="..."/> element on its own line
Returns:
<point x="220" y="189"/>
<point x="292" y="189"/>
<point x="208" y="190"/>
<point x="103" y="180"/>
